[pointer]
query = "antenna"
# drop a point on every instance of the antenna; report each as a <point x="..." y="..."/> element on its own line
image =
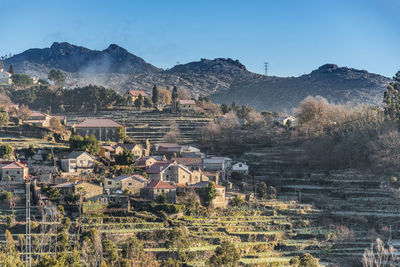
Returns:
<point x="266" y="68"/>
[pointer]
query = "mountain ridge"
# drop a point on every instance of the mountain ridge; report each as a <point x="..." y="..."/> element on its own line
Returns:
<point x="223" y="79"/>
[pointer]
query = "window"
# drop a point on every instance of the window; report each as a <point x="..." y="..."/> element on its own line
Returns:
<point x="109" y="182"/>
<point x="167" y="176"/>
<point x="130" y="184"/>
<point x="183" y="176"/>
<point x="162" y="190"/>
<point x="6" y="172"/>
<point x="240" y="165"/>
<point x="17" y="172"/>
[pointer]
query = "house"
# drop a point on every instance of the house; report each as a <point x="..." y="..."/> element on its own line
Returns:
<point x="5" y="77"/>
<point x="174" y="173"/>
<point x="212" y="176"/>
<point x="192" y="163"/>
<point x="43" y="173"/>
<point x="136" y="149"/>
<point x="102" y="129"/>
<point x="240" y="167"/>
<point x="146" y="162"/>
<point x="167" y="149"/>
<point x="219" y="201"/>
<point x="78" y="161"/>
<point x="156" y="188"/>
<point x="284" y="120"/>
<point x="88" y="191"/>
<point x="186" y="105"/>
<point x="190" y="152"/>
<point x="14" y="171"/>
<point x="221" y="164"/>
<point x="106" y="152"/>
<point x="38" y="119"/>
<point x="132" y="95"/>
<point x="134" y="183"/>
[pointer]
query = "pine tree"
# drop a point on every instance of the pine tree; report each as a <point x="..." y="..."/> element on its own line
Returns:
<point x="11" y="70"/>
<point x="175" y="96"/>
<point x="391" y="99"/>
<point x="154" y="97"/>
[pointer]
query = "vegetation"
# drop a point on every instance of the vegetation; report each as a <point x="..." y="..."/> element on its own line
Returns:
<point x="126" y="158"/>
<point x="210" y="193"/>
<point x="227" y="254"/>
<point x="21" y="80"/>
<point x="87" y="143"/>
<point x="89" y="98"/>
<point x="6" y="151"/>
<point x="57" y="77"/>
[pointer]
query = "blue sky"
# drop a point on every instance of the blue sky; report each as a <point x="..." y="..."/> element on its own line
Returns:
<point x="294" y="36"/>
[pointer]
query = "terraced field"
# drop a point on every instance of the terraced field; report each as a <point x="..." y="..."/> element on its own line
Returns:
<point x="360" y="200"/>
<point x="270" y="234"/>
<point x="152" y="125"/>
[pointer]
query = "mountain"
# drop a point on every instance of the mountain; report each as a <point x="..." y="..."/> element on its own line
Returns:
<point x="224" y="80"/>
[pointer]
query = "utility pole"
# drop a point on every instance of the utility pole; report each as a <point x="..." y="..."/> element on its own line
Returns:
<point x="266" y="68"/>
<point x="28" y="243"/>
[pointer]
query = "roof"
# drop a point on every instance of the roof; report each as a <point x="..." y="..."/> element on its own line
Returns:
<point x="159" y="167"/>
<point x="158" y="184"/>
<point x="205" y="183"/>
<point x="96" y="123"/>
<point x="137" y="177"/>
<point x="187" y="102"/>
<point x="37" y="114"/>
<point x="64" y="185"/>
<point x="127" y="146"/>
<point x="136" y="93"/>
<point x="14" y="165"/>
<point x="208" y="173"/>
<point x="75" y="154"/>
<point x="189" y="161"/>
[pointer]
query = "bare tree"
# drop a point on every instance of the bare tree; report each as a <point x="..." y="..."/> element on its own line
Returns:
<point x="380" y="256"/>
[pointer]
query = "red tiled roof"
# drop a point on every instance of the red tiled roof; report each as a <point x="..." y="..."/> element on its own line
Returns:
<point x="14" y="165"/>
<point x="158" y="184"/>
<point x="95" y="123"/>
<point x="137" y="93"/>
<point x="187" y="102"/>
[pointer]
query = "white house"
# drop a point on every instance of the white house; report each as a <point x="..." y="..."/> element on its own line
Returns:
<point x="240" y="167"/>
<point x="78" y="161"/>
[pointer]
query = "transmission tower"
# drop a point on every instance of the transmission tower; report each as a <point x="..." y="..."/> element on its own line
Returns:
<point x="266" y="68"/>
<point x="28" y="243"/>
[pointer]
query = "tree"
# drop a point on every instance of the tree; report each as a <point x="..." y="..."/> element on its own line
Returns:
<point x="3" y="118"/>
<point x="87" y="143"/>
<point x="121" y="133"/>
<point x="21" y="80"/>
<point x="378" y="255"/>
<point x="154" y="97"/>
<point x="262" y="190"/>
<point x="57" y="77"/>
<point x="184" y="94"/>
<point x="147" y="102"/>
<point x="11" y="69"/>
<point x="110" y="252"/>
<point x="164" y="97"/>
<point x="55" y="125"/>
<point x="173" y="135"/>
<point x="175" y="96"/>
<point x="23" y="112"/>
<point x="210" y="193"/>
<point x="307" y="260"/>
<point x="227" y="254"/>
<point x="6" y="151"/>
<point x="1" y="65"/>
<point x="126" y="158"/>
<point x="391" y="99"/>
<point x="224" y="108"/>
<point x="139" y="102"/>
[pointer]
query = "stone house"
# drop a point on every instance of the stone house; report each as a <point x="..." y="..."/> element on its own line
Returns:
<point x="171" y="172"/>
<point x="186" y="105"/>
<point x="134" y="183"/>
<point x="14" y="171"/>
<point x="89" y="191"/>
<point x="102" y="129"/>
<point x="192" y="163"/>
<point x="156" y="188"/>
<point x="78" y="161"/>
<point x="5" y="77"/>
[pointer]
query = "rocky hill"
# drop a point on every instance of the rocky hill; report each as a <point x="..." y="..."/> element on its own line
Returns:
<point x="224" y="80"/>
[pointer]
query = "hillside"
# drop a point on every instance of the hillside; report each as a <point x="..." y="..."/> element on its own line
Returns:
<point x="224" y="80"/>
